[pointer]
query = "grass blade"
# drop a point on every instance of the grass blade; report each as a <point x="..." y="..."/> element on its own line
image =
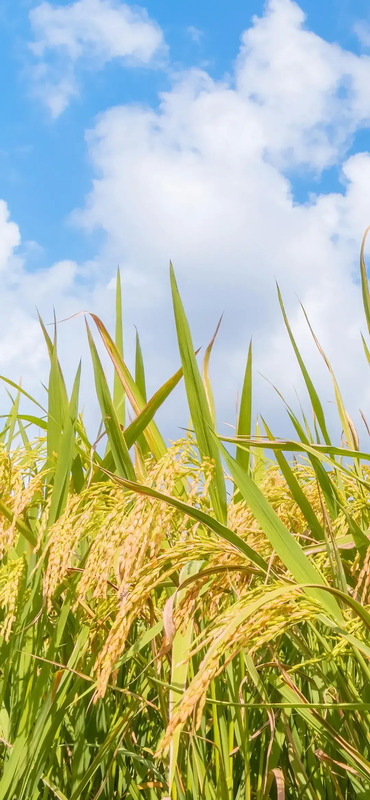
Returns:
<point x="198" y="404"/>
<point x="244" y="427"/>
<point x="12" y="421"/>
<point x="285" y="545"/>
<point x="297" y="493"/>
<point x="141" y="385"/>
<point x="205" y="374"/>
<point x="195" y="513"/>
<point x="152" y="434"/>
<point x="115" y="436"/>
<point x="118" y="390"/>
<point x="139" y="369"/>
<point x="316" y="453"/>
<point x="347" y="424"/>
<point x="57" y="409"/>
<point x="143" y="419"/>
<point x="364" y="281"/>
<point x="316" y="404"/>
<point x="65" y="454"/>
<point x="179" y="668"/>
<point x="367" y="351"/>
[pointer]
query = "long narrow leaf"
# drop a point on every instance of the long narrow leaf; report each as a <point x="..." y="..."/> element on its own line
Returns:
<point x="65" y="456"/>
<point x="196" y="514"/>
<point x="315" y="401"/>
<point x="118" y="390"/>
<point x="205" y="374"/>
<point x="317" y="451"/>
<point x="152" y="435"/>
<point x="297" y="492"/>
<point x="198" y="404"/>
<point x="364" y="280"/>
<point x="141" y="422"/>
<point x="115" y="436"/>
<point x="244" y="427"/>
<point x="285" y="545"/>
<point x="347" y="425"/>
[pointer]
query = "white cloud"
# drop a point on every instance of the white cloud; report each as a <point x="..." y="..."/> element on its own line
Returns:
<point x="23" y="353"/>
<point x="9" y="236"/>
<point x="362" y="31"/>
<point x="68" y="287"/>
<point x="203" y="181"/>
<point x="18" y="334"/>
<point x="311" y="94"/>
<point x="89" y="33"/>
<point x="195" y="34"/>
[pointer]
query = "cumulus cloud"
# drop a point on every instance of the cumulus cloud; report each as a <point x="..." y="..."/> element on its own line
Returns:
<point x="88" y="33"/>
<point x="362" y="31"/>
<point x="68" y="288"/>
<point x="18" y="335"/>
<point x="23" y="352"/>
<point x="204" y="180"/>
<point x="311" y="94"/>
<point x="9" y="236"/>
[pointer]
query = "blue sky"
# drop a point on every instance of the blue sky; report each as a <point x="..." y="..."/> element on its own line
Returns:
<point x="73" y="180"/>
<point x="45" y="171"/>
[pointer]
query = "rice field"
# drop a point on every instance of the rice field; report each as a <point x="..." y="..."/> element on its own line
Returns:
<point x="188" y="620"/>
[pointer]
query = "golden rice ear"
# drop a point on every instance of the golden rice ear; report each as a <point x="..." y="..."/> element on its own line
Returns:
<point x="11" y="578"/>
<point x="168" y="620"/>
<point x="256" y="620"/>
<point x="152" y="613"/>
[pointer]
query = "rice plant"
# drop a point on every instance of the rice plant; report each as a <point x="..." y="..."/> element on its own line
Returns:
<point x="183" y="621"/>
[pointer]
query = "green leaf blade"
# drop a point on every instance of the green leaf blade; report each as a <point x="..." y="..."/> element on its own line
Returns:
<point x="198" y="403"/>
